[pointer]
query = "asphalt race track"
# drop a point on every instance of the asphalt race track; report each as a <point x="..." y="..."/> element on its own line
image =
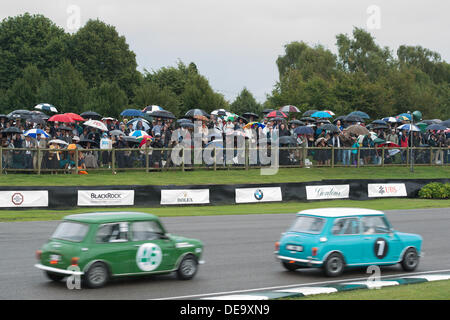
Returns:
<point x="238" y="256"/>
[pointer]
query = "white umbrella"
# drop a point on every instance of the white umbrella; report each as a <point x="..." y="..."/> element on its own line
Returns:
<point x="58" y="141"/>
<point x="46" y="107"/>
<point x="96" y="124"/>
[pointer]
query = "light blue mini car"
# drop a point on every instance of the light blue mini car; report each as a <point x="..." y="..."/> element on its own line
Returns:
<point x="336" y="238"/>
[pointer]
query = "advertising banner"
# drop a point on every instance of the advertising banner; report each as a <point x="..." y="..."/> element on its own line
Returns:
<point x="327" y="192"/>
<point x="105" y="197"/>
<point x="14" y="199"/>
<point x="185" y="196"/>
<point x="248" y="195"/>
<point x="386" y="190"/>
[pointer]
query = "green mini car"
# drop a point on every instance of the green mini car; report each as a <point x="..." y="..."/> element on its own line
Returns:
<point x="99" y="246"/>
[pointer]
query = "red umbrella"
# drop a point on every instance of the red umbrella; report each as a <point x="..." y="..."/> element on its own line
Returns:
<point x="389" y="145"/>
<point x="61" y="118"/>
<point x="276" y="113"/>
<point x="75" y="116"/>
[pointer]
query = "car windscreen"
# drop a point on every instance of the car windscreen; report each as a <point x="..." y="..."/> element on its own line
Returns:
<point x="71" y="231"/>
<point x="308" y="224"/>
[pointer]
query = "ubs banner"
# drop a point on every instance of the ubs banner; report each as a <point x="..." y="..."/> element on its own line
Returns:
<point x="32" y="198"/>
<point x="185" y="196"/>
<point x="105" y="197"/>
<point x="248" y="195"/>
<point x="327" y="192"/>
<point x="386" y="190"/>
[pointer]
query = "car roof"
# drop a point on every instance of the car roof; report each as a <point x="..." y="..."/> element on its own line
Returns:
<point x="340" y="212"/>
<point x="106" y="217"/>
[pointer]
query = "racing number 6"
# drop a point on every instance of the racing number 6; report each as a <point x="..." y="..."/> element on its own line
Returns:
<point x="380" y="248"/>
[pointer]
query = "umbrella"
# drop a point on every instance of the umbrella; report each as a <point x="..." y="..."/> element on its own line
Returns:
<point x="446" y="123"/>
<point x="297" y="122"/>
<point x="91" y="115"/>
<point x="145" y="139"/>
<point x="75" y="116"/>
<point x="65" y="128"/>
<point x="137" y="120"/>
<point x="319" y="140"/>
<point x="353" y="118"/>
<point x="131" y="113"/>
<point x="116" y="133"/>
<point x="383" y="127"/>
<point x="254" y="125"/>
<point x="330" y="112"/>
<point x="215" y="143"/>
<point x="382" y="122"/>
<point x="357" y="130"/>
<point x="243" y="119"/>
<point x="37" y="120"/>
<point x="323" y="121"/>
<point x="309" y="119"/>
<point x="422" y="126"/>
<point x="39" y="114"/>
<point x="196" y="112"/>
<point x="304" y="130"/>
<point x="289" y="109"/>
<point x="219" y="112"/>
<point x="341" y="118"/>
<point x="84" y="142"/>
<point x="201" y="118"/>
<point x="186" y="125"/>
<point x="329" y="127"/>
<point x="132" y="140"/>
<point x="402" y="118"/>
<point x="46" y="107"/>
<point x="59" y="141"/>
<point x="390" y="119"/>
<point x="406" y="115"/>
<point x="184" y="120"/>
<point x="266" y="111"/>
<point x="11" y="130"/>
<point x="152" y="108"/>
<point x="249" y="115"/>
<point x="96" y="124"/>
<point x="20" y="114"/>
<point x="3" y="116"/>
<point x="162" y="114"/>
<point x="145" y="125"/>
<point x="309" y="113"/>
<point x="428" y="121"/>
<point x="287" y="140"/>
<point x="389" y="144"/>
<point x="61" y="118"/>
<point x="275" y="114"/>
<point x="408" y="127"/>
<point x="435" y="127"/>
<point x="138" y="133"/>
<point x="321" y="114"/>
<point x="360" y="114"/>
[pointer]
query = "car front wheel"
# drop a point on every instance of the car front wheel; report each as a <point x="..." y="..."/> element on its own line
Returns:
<point x="410" y="260"/>
<point x="96" y="276"/>
<point x="188" y="268"/>
<point x="334" y="265"/>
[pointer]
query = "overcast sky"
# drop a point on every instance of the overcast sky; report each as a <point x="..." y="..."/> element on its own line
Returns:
<point x="235" y="43"/>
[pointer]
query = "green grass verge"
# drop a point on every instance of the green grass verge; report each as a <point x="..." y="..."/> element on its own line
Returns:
<point x="436" y="290"/>
<point x="286" y="207"/>
<point x="234" y="176"/>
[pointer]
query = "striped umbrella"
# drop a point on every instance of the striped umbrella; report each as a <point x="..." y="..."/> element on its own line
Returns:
<point x="289" y="109"/>
<point x="46" y="107"/>
<point x="152" y="108"/>
<point x="34" y="132"/>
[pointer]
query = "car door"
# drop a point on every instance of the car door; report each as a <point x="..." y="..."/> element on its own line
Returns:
<point x="112" y="246"/>
<point x="346" y="238"/>
<point x="380" y="244"/>
<point x="152" y="251"/>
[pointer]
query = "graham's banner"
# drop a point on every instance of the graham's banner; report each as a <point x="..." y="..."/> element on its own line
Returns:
<point x="185" y="196"/>
<point x="105" y="197"/>
<point x="266" y="194"/>
<point x="14" y="199"/>
<point x="327" y="192"/>
<point x="386" y="190"/>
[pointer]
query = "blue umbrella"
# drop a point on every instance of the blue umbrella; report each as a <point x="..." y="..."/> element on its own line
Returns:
<point x="138" y="133"/>
<point x="34" y="132"/>
<point x="408" y="127"/>
<point x="405" y="115"/>
<point x="321" y="114"/>
<point x="304" y="130"/>
<point x="132" y="113"/>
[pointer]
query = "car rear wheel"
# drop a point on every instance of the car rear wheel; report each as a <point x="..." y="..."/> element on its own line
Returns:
<point x="54" y="276"/>
<point x="188" y="268"/>
<point x="334" y="265"/>
<point x="97" y="275"/>
<point x="289" y="266"/>
<point x="410" y="260"/>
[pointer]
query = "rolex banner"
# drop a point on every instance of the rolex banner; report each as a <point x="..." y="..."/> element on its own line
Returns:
<point x="185" y="196"/>
<point x="14" y="199"/>
<point x="248" y="195"/>
<point x="327" y="192"/>
<point x="105" y="197"/>
<point x="386" y="190"/>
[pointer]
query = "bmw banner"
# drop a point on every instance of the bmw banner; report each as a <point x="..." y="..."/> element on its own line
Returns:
<point x="267" y="194"/>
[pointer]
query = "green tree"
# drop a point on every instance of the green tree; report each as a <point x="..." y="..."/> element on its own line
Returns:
<point x="108" y="99"/>
<point x="65" y="88"/>
<point x="23" y="94"/>
<point x="245" y="102"/>
<point x="149" y="93"/>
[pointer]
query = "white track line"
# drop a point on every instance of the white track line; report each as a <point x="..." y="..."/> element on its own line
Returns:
<point x="296" y="285"/>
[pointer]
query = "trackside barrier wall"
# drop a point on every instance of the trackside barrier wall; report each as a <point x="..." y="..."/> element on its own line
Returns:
<point x="60" y="197"/>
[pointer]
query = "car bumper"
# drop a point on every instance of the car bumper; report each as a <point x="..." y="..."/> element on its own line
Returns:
<point x="303" y="262"/>
<point x="60" y="271"/>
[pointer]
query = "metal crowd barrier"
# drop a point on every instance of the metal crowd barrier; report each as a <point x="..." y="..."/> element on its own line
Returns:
<point x="22" y="160"/>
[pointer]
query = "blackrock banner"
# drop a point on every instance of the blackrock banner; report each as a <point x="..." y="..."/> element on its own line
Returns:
<point x="266" y="194"/>
<point x="386" y="190"/>
<point x="185" y="196"/>
<point x="327" y="192"/>
<point x="14" y="199"/>
<point x="105" y="197"/>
